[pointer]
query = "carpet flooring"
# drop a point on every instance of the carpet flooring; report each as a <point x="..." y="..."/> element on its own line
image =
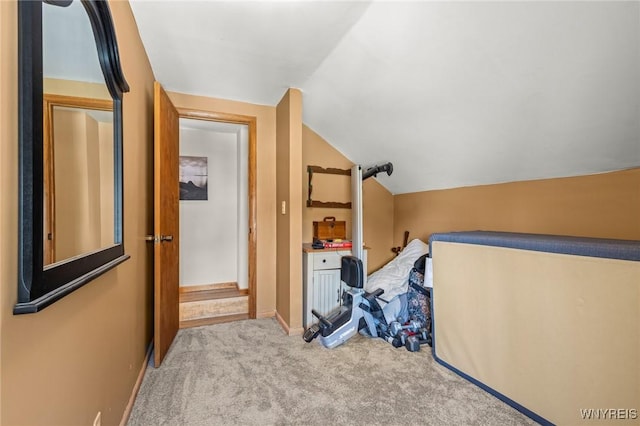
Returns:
<point x="251" y="373"/>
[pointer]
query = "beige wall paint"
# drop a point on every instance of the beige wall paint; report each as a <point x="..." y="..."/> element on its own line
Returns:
<point x="289" y="224"/>
<point x="8" y="168"/>
<point x="283" y="230"/>
<point x="266" y="187"/>
<point x="80" y="185"/>
<point x="377" y="216"/>
<point x="106" y="183"/>
<point x="523" y="323"/>
<point x="318" y="152"/>
<point x="605" y="205"/>
<point x="81" y="89"/>
<point x="82" y="354"/>
<point x="377" y="201"/>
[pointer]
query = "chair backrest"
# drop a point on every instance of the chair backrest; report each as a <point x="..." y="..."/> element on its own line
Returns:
<point x="351" y="272"/>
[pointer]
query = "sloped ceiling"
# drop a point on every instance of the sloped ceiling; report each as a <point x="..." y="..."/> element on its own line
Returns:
<point x="452" y="93"/>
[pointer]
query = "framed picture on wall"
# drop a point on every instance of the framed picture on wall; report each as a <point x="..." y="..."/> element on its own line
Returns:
<point x="193" y="178"/>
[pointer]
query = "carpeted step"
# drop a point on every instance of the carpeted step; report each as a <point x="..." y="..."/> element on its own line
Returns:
<point x="212" y="304"/>
<point x="210" y="292"/>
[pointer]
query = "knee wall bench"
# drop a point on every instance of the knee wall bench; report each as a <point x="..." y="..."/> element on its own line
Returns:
<point x="549" y="324"/>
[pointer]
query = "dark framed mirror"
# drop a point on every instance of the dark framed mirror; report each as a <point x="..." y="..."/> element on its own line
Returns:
<point x="71" y="87"/>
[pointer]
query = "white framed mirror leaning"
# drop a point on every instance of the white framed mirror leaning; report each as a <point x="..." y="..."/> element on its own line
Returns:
<point x="71" y="87"/>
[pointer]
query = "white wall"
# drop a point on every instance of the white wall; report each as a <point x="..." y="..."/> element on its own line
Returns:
<point x="211" y="251"/>
<point x="243" y="206"/>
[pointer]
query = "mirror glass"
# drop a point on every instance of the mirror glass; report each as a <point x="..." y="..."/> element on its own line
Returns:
<point x="71" y="141"/>
<point x="78" y="138"/>
<point x="79" y="188"/>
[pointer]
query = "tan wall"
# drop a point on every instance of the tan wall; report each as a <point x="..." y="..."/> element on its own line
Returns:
<point x="377" y="201"/>
<point x="523" y="323"/>
<point x="318" y="152"/>
<point x="604" y="205"/>
<point x="266" y="187"/>
<point x="8" y="171"/>
<point x="378" y="216"/>
<point x="55" y="86"/>
<point x="106" y="184"/>
<point x="283" y="230"/>
<point x="82" y="354"/>
<point x="289" y="227"/>
<point x="80" y="183"/>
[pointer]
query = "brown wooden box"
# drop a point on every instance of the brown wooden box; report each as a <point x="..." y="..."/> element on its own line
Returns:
<point x="330" y="229"/>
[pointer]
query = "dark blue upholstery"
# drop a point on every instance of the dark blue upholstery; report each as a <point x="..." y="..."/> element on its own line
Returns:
<point x="579" y="246"/>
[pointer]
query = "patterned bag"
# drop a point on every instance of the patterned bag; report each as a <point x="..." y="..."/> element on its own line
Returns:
<point x="419" y="297"/>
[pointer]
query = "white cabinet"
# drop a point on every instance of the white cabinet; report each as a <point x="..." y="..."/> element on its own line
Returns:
<point x="322" y="288"/>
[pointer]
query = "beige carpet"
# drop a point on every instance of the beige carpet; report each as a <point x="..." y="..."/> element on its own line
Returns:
<point x="251" y="373"/>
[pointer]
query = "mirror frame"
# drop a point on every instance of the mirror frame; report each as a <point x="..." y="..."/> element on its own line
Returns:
<point x="40" y="286"/>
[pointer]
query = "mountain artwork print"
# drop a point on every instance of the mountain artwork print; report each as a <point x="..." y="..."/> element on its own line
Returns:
<point x="193" y="178"/>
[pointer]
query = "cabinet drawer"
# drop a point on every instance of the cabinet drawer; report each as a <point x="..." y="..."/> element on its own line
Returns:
<point x="329" y="260"/>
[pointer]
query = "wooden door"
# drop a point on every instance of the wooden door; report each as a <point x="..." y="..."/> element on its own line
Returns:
<point x="166" y="198"/>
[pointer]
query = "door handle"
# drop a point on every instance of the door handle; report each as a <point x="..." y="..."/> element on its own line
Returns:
<point x="158" y="238"/>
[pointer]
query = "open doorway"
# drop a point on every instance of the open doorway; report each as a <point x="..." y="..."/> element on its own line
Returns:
<point x="214" y="221"/>
<point x="168" y="300"/>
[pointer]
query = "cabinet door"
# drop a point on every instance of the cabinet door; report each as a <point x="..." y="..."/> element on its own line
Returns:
<point x="326" y="290"/>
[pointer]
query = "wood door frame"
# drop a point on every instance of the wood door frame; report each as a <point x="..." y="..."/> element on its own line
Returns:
<point x="251" y="123"/>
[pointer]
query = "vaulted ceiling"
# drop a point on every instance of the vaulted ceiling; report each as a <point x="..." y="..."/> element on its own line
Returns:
<point x="452" y="93"/>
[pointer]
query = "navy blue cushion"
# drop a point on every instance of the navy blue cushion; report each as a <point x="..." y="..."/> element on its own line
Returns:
<point x="579" y="246"/>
